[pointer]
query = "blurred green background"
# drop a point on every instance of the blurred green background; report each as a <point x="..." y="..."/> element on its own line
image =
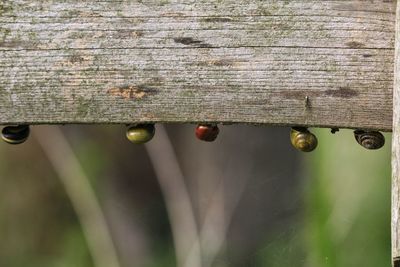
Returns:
<point x="277" y="206"/>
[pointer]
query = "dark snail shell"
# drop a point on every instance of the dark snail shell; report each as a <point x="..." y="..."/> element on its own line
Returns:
<point x="369" y="139"/>
<point x="207" y="132"/>
<point x="141" y="133"/>
<point x="302" y="139"/>
<point x="15" y="135"/>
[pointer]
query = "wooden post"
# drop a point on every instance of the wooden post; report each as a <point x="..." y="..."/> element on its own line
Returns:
<point x="311" y="63"/>
<point x="218" y="61"/>
<point x="396" y="149"/>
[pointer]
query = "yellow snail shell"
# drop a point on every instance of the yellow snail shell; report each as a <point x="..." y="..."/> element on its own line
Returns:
<point x="303" y="140"/>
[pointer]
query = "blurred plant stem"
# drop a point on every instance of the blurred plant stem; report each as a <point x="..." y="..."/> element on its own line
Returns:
<point x="83" y="198"/>
<point x="194" y="247"/>
<point x="219" y="214"/>
<point x="177" y="200"/>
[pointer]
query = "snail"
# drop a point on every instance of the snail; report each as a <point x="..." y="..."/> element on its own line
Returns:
<point x="15" y="134"/>
<point x="140" y="133"/>
<point x="302" y="139"/>
<point x="369" y="139"/>
<point x="207" y="132"/>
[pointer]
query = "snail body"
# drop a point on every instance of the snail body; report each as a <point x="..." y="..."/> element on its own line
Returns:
<point x="141" y="133"/>
<point x="207" y="132"/>
<point x="302" y="139"/>
<point x="15" y="135"/>
<point x="369" y="139"/>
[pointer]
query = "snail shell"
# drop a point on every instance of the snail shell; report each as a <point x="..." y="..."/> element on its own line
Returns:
<point x="207" y="132"/>
<point x="15" y="135"/>
<point x="369" y="139"/>
<point x="303" y="140"/>
<point x="141" y="133"/>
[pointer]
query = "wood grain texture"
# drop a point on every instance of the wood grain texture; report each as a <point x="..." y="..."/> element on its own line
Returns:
<point x="396" y="149"/>
<point x="68" y="61"/>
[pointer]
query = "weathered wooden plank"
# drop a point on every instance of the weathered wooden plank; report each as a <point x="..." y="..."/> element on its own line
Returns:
<point x="396" y="149"/>
<point x="219" y="61"/>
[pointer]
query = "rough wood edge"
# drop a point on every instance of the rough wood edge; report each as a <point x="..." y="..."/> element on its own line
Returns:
<point x="396" y="149"/>
<point x="340" y="127"/>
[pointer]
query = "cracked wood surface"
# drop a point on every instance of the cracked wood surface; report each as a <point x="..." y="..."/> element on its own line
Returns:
<point x="68" y="61"/>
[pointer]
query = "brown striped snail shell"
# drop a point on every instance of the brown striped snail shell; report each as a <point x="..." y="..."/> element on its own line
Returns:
<point x="15" y="135"/>
<point x="207" y="132"/>
<point x="369" y="139"/>
<point x="140" y="133"/>
<point x="302" y="139"/>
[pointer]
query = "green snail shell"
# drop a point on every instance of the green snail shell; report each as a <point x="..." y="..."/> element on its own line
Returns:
<point x="141" y="133"/>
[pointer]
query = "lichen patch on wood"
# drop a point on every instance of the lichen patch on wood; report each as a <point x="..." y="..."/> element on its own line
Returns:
<point x="131" y="92"/>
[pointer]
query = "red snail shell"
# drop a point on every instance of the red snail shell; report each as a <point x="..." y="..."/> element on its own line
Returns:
<point x="207" y="132"/>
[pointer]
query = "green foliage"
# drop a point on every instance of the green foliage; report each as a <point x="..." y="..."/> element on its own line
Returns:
<point x="346" y="219"/>
<point x="163" y="255"/>
<point x="347" y="222"/>
<point x="38" y="226"/>
<point x="285" y="249"/>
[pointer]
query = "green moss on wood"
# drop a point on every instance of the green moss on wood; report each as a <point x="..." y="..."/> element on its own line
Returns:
<point x="6" y="6"/>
